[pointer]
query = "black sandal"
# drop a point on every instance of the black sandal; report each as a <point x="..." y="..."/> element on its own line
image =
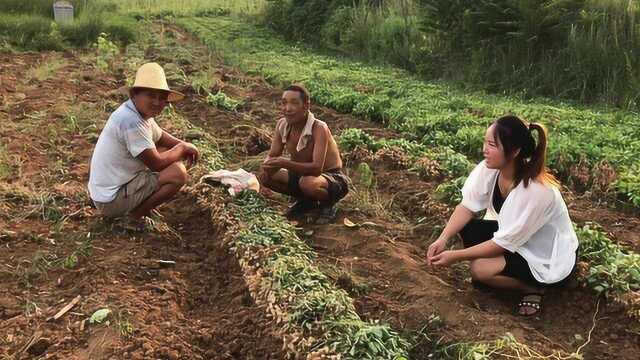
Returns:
<point x="299" y="208"/>
<point x="327" y="214"/>
<point x="533" y="301"/>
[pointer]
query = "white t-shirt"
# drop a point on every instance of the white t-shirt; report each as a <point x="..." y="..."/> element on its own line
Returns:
<point x="533" y="222"/>
<point x="114" y="161"/>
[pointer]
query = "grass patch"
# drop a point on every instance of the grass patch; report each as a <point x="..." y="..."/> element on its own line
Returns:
<point x="507" y="347"/>
<point x="42" y="262"/>
<point x="23" y="204"/>
<point x="5" y="166"/>
<point x="31" y="32"/>
<point x="166" y="8"/>
<point x="46" y="70"/>
<point x="365" y="197"/>
<point x="202" y="81"/>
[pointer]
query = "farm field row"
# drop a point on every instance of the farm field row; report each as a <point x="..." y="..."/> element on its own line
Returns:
<point x="590" y="148"/>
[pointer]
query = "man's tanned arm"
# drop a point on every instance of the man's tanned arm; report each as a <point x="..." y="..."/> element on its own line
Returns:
<point x="167" y="140"/>
<point x="157" y="161"/>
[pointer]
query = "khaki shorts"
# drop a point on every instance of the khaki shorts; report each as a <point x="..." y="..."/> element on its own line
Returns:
<point x="130" y="195"/>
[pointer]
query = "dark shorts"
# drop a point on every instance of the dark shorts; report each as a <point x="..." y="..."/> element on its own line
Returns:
<point x="338" y="185"/>
<point x="478" y="231"/>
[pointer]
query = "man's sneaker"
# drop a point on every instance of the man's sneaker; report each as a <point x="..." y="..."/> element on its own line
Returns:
<point x="300" y="207"/>
<point x="327" y="214"/>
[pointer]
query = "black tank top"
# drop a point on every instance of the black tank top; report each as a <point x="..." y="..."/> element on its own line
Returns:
<point x="498" y="200"/>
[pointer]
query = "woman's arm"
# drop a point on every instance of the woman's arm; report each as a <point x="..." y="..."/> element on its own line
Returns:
<point x="487" y="249"/>
<point x="460" y="217"/>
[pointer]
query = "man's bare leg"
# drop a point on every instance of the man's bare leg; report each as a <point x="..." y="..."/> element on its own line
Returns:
<point x="315" y="187"/>
<point x="278" y="182"/>
<point x="170" y="181"/>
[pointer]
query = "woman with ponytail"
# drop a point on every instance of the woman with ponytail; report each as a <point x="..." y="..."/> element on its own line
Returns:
<point x="531" y="245"/>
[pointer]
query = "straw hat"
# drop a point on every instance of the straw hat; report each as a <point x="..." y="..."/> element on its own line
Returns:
<point x="151" y="76"/>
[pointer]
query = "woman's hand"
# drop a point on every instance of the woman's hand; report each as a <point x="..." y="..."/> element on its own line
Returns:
<point x="436" y="248"/>
<point x="445" y="258"/>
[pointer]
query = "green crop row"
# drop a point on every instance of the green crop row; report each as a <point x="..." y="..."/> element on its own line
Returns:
<point x="586" y="143"/>
<point x="298" y="295"/>
<point x="444" y="163"/>
<point x="295" y="291"/>
<point x="315" y="316"/>
<point x="308" y="299"/>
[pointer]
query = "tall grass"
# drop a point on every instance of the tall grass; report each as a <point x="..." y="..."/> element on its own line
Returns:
<point x="603" y="49"/>
<point x="378" y="30"/>
<point x="187" y="7"/>
<point x="584" y="50"/>
<point x="575" y="49"/>
<point x="27" y="31"/>
<point x="29" y="24"/>
<point x="44" y="7"/>
<point x="35" y="7"/>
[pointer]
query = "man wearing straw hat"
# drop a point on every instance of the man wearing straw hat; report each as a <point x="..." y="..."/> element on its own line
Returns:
<point x="137" y="166"/>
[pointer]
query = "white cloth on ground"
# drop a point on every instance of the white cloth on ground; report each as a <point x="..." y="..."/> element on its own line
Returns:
<point x="237" y="180"/>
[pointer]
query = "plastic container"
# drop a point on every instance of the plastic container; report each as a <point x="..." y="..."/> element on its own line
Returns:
<point x="63" y="12"/>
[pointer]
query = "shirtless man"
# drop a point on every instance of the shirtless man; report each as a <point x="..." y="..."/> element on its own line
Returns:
<point x="313" y="175"/>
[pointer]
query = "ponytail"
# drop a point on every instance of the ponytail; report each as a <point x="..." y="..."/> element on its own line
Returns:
<point x="535" y="168"/>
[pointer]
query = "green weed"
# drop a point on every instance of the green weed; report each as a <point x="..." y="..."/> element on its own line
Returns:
<point x="123" y="325"/>
<point x="612" y="270"/>
<point x="222" y="101"/>
<point x="628" y="184"/>
<point x="450" y="192"/>
<point x="202" y="81"/>
<point x="106" y="52"/>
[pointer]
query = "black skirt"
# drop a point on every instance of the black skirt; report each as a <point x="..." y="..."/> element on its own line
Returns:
<point x="478" y="231"/>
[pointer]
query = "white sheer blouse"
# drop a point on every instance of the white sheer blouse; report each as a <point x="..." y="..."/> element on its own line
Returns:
<point x="533" y="222"/>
